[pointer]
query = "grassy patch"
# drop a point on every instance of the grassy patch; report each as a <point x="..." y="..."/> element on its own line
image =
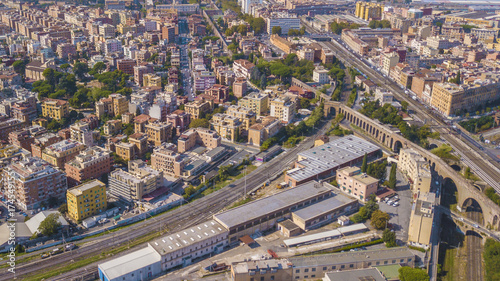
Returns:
<point x="241" y="202"/>
<point x="237" y="174"/>
<point x="444" y="152"/>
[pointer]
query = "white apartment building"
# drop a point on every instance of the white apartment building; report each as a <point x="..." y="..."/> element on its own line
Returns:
<point x="247" y="4"/>
<point x="389" y="60"/>
<point x="107" y="31"/>
<point x="283" y="109"/>
<point x="320" y="75"/>
<point x="285" y="21"/>
<point x="112" y="45"/>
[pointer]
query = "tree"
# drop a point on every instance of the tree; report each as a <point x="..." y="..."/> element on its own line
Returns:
<point x="196" y="123"/>
<point x="305" y="103"/>
<point x="392" y="177"/>
<point x="276" y="30"/>
<point x="379" y="219"/>
<point x="389" y="238"/>
<point x="404" y="106"/>
<point x="49" y="225"/>
<point x="79" y="69"/>
<point x="20" y="248"/>
<point x="242" y="29"/>
<point x="407" y="273"/>
<point x="457" y="79"/>
<point x="263" y="81"/>
<point x="19" y="66"/>
<point x="99" y="67"/>
<point x="63" y="208"/>
<point x="364" y="166"/>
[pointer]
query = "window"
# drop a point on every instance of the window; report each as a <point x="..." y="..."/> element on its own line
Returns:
<point x="393" y="261"/>
<point x="314" y="269"/>
<point x="324" y="268"/>
<point x="351" y="265"/>
<point x="306" y="270"/>
<point x="312" y="276"/>
<point x="297" y="271"/>
<point x="385" y="262"/>
<point x="262" y="278"/>
<point x="342" y="266"/>
<point x="306" y="276"/>
<point x="272" y="277"/>
<point x="334" y="267"/>
<point x="401" y="260"/>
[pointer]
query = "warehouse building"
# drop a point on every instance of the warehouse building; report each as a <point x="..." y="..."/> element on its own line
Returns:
<point x="265" y="213"/>
<point x="326" y="235"/>
<point x="179" y="249"/>
<point x="136" y="266"/>
<point x="324" y="212"/>
<point x="324" y="160"/>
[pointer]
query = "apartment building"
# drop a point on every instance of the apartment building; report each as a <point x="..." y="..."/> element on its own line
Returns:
<point x="180" y="120"/>
<point x="257" y="102"/>
<point x="56" y="109"/>
<point x="283" y="108"/>
<point x="107" y="31"/>
<point x="389" y="60"/>
<point x="61" y="152"/>
<point x="41" y="142"/>
<point x="126" y="65"/>
<point x="227" y="126"/>
<point x="139" y="72"/>
<point x="282" y="44"/>
<point x="285" y="21"/>
<point x="356" y="44"/>
<point x="243" y="68"/>
<point x="198" y="108"/>
<point x="165" y="159"/>
<point x="416" y="169"/>
<point x="86" y="200"/>
<point x="64" y="51"/>
<point x="134" y="184"/>
<point x="151" y="80"/>
<point x="81" y="133"/>
<point x="198" y="136"/>
<point x="112" y="127"/>
<point x="421" y="221"/>
<point x="90" y="163"/>
<point x="220" y="93"/>
<point x="245" y="114"/>
<point x="35" y="181"/>
<point x="114" y="105"/>
<point x="159" y="132"/>
<point x="451" y="99"/>
<point x="260" y="132"/>
<point x="368" y="11"/>
<point x="203" y="81"/>
<point x="320" y="75"/>
<point x="240" y="87"/>
<point x="357" y="184"/>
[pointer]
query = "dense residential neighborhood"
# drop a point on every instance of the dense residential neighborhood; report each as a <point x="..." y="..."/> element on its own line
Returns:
<point x="249" y="140"/>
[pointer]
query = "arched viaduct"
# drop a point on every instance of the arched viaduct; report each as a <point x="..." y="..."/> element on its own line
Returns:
<point x="390" y="137"/>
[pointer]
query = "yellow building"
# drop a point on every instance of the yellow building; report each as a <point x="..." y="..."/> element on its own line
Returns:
<point x="86" y="200"/>
<point x="257" y="102"/>
<point x="61" y="152"/>
<point x="228" y="127"/>
<point x="367" y="10"/>
<point x="198" y="108"/>
<point x="159" y="132"/>
<point x="151" y="80"/>
<point x="246" y="115"/>
<point x="421" y="221"/>
<point x="56" y="109"/>
<point x="120" y="104"/>
<point x="125" y="150"/>
<point x="451" y="99"/>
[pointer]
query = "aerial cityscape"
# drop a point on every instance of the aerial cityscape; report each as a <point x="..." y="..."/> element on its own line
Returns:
<point x="250" y="140"/>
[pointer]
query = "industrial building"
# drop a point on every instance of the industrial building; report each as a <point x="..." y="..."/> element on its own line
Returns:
<point x="324" y="160"/>
<point x="326" y="235"/>
<point x="265" y="213"/>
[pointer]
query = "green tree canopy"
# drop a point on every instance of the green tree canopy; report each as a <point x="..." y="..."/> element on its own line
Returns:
<point x="389" y="238"/>
<point x="49" y="225"/>
<point x="379" y="219"/>
<point x="407" y="273"/>
<point x="276" y="30"/>
<point x="196" y="123"/>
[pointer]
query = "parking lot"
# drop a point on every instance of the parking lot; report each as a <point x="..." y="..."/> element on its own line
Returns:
<point x="400" y="215"/>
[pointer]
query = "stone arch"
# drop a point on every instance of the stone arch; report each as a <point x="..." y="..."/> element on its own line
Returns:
<point x="383" y="138"/>
<point x="432" y="146"/>
<point x="376" y="133"/>
<point x="397" y="146"/>
<point x="391" y="143"/>
<point x="456" y="167"/>
<point x="472" y="205"/>
<point x="449" y="192"/>
<point x="495" y="223"/>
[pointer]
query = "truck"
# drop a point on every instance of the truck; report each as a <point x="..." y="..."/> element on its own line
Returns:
<point x="56" y="251"/>
<point x="282" y="185"/>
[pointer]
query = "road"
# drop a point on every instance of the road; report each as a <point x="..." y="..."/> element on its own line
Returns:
<point x="480" y="163"/>
<point x="175" y="220"/>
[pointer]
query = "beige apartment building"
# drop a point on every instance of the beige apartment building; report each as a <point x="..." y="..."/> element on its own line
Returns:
<point x="198" y="136"/>
<point x="357" y="184"/>
<point x="228" y="127"/>
<point x="61" y="152"/>
<point x="452" y="99"/>
<point x="421" y="219"/>
<point x="245" y="114"/>
<point x="198" y="108"/>
<point x="260" y="132"/>
<point x="113" y="105"/>
<point x="416" y="169"/>
<point x="257" y="102"/>
<point x="165" y="159"/>
<point x="283" y="108"/>
<point x="159" y="132"/>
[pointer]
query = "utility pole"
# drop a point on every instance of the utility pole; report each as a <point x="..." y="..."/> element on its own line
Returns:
<point x="245" y="195"/>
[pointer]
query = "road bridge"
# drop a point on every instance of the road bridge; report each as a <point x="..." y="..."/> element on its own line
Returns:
<point x="467" y="194"/>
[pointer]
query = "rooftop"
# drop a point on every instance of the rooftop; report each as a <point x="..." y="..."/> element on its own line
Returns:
<point x="330" y="155"/>
<point x="349" y="257"/>
<point x="120" y="266"/>
<point x="78" y="190"/>
<point x="365" y="274"/>
<point x="264" y="206"/>
<point x="322" y="207"/>
<point x="187" y="237"/>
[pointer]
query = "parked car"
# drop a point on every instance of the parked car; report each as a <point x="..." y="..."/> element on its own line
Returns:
<point x="389" y="202"/>
<point x="395" y="204"/>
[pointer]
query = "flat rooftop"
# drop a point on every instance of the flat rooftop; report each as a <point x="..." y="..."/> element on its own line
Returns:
<point x="186" y="237"/>
<point x="345" y="230"/>
<point x="78" y="190"/>
<point x="349" y="257"/>
<point x="261" y="207"/>
<point x="365" y="274"/>
<point x="118" y="267"/>
<point x="323" y="207"/>
<point x="330" y="155"/>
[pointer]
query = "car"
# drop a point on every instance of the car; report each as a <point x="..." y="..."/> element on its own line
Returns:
<point x="395" y="204"/>
<point x="389" y="202"/>
<point x="475" y="226"/>
<point x="396" y="197"/>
